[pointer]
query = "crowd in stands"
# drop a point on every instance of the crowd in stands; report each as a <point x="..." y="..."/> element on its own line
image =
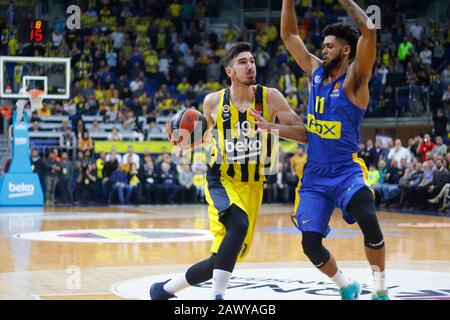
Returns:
<point x="415" y="176"/>
<point x="151" y="59"/>
<point x="133" y="178"/>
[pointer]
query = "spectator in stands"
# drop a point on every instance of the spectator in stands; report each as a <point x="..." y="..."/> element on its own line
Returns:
<point x="169" y="186"/>
<point x="425" y="146"/>
<point x="398" y="153"/>
<point x="134" y="181"/>
<point x="115" y="135"/>
<point x="436" y="92"/>
<point x="185" y="179"/>
<point x="119" y="183"/>
<point x="370" y="152"/>
<point x="363" y="153"/>
<point x="150" y="179"/>
<point x="70" y="108"/>
<point x="287" y="81"/>
<point x="111" y="164"/>
<point x="373" y="175"/>
<point x="405" y="50"/>
<point x="262" y="58"/>
<point x="390" y="189"/>
<point x="408" y="183"/>
<point x="36" y="126"/>
<point x="137" y="87"/>
<point x="446" y="99"/>
<point x="425" y="182"/>
<point x="64" y="126"/>
<point x="440" y="148"/>
<point x="114" y="154"/>
<point x="440" y="121"/>
<point x="440" y="177"/>
<point x="38" y="166"/>
<point x="65" y="179"/>
<point x="95" y="127"/>
<point x="297" y="161"/>
<point x="52" y="171"/>
<point x="378" y="152"/>
<point x="135" y="158"/>
<point x="280" y="188"/>
<point x="85" y="143"/>
<point x="86" y="179"/>
<point x="100" y="165"/>
<point x="44" y="111"/>
<point x="80" y="128"/>
<point x="154" y="129"/>
<point x="34" y="117"/>
<point x="56" y="153"/>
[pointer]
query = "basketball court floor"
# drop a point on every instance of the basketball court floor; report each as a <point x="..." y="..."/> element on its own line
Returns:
<point x="117" y="252"/>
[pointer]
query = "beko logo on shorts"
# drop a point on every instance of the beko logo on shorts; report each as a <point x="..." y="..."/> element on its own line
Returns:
<point x="20" y="190"/>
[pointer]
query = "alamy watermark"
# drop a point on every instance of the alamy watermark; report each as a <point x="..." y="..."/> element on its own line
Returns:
<point x="74" y="280"/>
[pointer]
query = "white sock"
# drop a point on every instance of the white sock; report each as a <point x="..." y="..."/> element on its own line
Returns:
<point x="220" y="282"/>
<point x="340" y="279"/>
<point x="176" y="284"/>
<point x="379" y="280"/>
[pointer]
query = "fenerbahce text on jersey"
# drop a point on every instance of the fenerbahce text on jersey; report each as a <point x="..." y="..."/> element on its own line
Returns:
<point x="333" y="121"/>
<point x="237" y="151"/>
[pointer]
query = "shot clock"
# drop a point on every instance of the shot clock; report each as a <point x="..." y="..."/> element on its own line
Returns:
<point x="34" y="31"/>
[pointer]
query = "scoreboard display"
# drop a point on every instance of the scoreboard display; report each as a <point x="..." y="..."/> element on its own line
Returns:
<point x="33" y="31"/>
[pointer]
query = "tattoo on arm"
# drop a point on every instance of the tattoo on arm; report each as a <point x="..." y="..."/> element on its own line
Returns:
<point x="357" y="14"/>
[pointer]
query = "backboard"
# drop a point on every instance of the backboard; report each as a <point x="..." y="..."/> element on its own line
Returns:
<point x="20" y="74"/>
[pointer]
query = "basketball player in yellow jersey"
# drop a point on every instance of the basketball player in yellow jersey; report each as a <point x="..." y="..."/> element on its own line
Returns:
<point x="241" y="155"/>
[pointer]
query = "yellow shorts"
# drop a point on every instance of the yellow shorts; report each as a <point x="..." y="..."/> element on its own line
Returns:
<point x="221" y="192"/>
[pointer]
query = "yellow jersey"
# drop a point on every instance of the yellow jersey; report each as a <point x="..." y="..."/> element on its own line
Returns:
<point x="237" y="150"/>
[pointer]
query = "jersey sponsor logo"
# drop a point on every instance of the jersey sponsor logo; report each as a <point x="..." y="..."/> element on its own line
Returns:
<point x="226" y="113"/>
<point x="259" y="107"/>
<point x="335" y="92"/>
<point x="226" y="108"/>
<point x="245" y="149"/>
<point x="324" y="129"/>
<point x="316" y="80"/>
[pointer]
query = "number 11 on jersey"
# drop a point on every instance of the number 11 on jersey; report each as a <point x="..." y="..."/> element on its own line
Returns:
<point x="320" y="101"/>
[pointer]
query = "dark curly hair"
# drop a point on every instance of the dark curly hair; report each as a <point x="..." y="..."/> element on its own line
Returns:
<point x="237" y="48"/>
<point x="345" y="32"/>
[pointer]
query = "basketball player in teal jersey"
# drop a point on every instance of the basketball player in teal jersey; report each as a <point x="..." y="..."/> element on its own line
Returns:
<point x="334" y="176"/>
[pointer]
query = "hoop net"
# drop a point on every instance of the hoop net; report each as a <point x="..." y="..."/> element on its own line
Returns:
<point x="36" y="97"/>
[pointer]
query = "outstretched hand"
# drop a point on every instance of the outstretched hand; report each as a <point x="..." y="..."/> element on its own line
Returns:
<point x="260" y="121"/>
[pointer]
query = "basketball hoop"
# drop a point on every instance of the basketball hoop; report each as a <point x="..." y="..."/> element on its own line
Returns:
<point x="36" y="97"/>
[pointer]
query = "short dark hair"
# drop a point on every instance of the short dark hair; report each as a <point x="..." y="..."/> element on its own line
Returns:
<point x="235" y="49"/>
<point x="345" y="32"/>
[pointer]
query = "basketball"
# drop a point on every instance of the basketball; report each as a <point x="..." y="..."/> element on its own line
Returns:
<point x="186" y="128"/>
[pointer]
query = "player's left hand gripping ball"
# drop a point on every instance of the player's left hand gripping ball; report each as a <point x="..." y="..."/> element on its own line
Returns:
<point x="187" y="128"/>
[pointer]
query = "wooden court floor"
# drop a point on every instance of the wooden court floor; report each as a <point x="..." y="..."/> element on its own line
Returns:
<point x="94" y="248"/>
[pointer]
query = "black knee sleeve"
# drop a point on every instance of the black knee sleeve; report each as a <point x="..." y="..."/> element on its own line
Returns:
<point x="362" y="208"/>
<point x="314" y="250"/>
<point x="235" y="221"/>
<point x="201" y="272"/>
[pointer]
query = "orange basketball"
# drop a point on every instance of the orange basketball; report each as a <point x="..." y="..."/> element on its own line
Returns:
<point x="187" y="128"/>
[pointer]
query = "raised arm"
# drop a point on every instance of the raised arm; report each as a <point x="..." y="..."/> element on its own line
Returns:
<point x="289" y="33"/>
<point x="366" y="51"/>
<point x="291" y="125"/>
